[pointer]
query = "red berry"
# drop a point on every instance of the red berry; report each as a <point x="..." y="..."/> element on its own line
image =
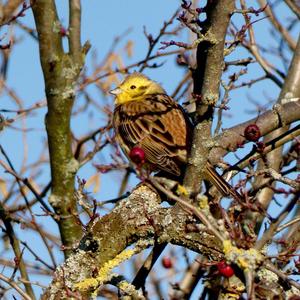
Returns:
<point x="137" y="155"/>
<point x="252" y="133"/>
<point x="63" y="31"/>
<point x="225" y="269"/>
<point x="167" y="262"/>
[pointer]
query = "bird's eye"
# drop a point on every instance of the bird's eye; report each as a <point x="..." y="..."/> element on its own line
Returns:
<point x="133" y="87"/>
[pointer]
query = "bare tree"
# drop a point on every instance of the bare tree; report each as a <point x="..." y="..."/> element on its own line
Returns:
<point x="245" y="249"/>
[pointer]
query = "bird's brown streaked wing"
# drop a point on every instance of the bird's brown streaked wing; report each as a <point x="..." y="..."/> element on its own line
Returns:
<point x="161" y="157"/>
<point x="158" y="125"/>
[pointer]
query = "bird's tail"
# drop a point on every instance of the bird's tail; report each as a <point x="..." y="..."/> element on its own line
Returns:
<point x="220" y="183"/>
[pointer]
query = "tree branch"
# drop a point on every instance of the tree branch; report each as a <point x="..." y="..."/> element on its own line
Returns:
<point x="8" y="9"/>
<point x="281" y="29"/>
<point x="61" y="72"/>
<point x="207" y="76"/>
<point x="75" y="29"/>
<point x="139" y="217"/>
<point x="232" y="137"/>
<point x="294" y="7"/>
<point x="15" y="244"/>
<point x="15" y="287"/>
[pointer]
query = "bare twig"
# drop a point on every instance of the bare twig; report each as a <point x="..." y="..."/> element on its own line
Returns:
<point x="288" y="224"/>
<point x="282" y="275"/>
<point x="269" y="233"/>
<point x="15" y="287"/>
<point x="75" y="29"/>
<point x="153" y="41"/>
<point x="294" y="7"/>
<point x="281" y="29"/>
<point x="16" y="248"/>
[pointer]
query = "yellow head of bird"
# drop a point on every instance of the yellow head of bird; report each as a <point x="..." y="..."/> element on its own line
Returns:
<point x="135" y="87"/>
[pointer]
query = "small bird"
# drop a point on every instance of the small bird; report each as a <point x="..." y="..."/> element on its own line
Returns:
<point x="147" y="118"/>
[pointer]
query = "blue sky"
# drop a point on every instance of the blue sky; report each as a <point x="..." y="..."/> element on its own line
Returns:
<point x="101" y="22"/>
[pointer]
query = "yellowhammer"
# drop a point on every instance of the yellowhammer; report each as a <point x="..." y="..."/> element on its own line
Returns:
<point x="147" y="118"/>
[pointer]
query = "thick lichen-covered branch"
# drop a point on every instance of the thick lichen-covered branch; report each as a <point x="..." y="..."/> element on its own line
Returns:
<point x="138" y="218"/>
<point x="141" y="220"/>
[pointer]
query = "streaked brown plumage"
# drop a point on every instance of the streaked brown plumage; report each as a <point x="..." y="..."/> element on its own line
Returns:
<point x="146" y="117"/>
<point x="158" y="126"/>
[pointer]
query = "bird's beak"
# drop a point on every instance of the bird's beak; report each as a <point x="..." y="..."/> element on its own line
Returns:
<point x="115" y="91"/>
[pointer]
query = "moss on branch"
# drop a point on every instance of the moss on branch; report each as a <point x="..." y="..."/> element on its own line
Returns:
<point x="138" y="218"/>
